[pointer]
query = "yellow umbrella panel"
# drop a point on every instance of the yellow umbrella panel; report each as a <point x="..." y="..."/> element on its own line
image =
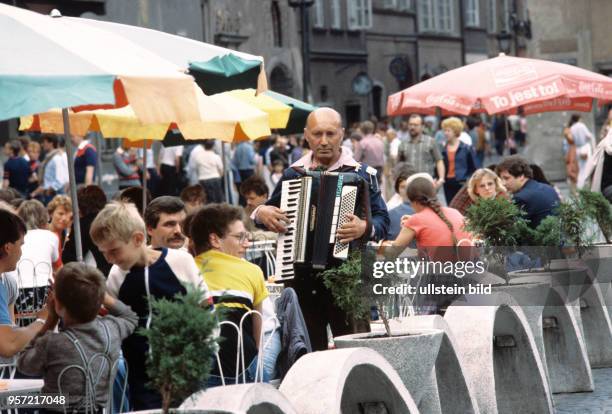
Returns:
<point x="224" y="116"/>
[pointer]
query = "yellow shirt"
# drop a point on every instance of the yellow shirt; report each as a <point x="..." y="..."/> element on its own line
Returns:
<point x="232" y="282"/>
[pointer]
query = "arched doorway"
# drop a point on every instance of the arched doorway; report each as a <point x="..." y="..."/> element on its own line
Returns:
<point x="281" y="80"/>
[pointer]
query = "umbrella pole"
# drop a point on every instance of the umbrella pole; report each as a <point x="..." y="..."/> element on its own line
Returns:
<point x="225" y="175"/>
<point x="73" y="190"/>
<point x="98" y="159"/>
<point x="145" y="171"/>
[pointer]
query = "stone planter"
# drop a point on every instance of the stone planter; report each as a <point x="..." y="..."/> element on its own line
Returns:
<point x="557" y="335"/>
<point x="412" y="353"/>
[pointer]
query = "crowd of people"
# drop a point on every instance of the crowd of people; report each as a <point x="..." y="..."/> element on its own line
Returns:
<point x="186" y="234"/>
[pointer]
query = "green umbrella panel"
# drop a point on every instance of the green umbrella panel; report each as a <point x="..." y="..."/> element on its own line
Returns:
<point x="224" y="73"/>
<point x="299" y="112"/>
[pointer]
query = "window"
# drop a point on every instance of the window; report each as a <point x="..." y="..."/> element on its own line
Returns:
<point x="359" y="14"/>
<point x="400" y="5"/>
<point x="436" y="16"/>
<point x="472" y="13"/>
<point x="276" y="25"/>
<point x="336" y="15"/>
<point x="319" y="14"/>
<point x="506" y="16"/>
<point x="492" y="17"/>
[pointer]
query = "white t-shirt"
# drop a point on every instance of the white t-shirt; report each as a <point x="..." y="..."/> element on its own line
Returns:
<point x="208" y="165"/>
<point x="181" y="263"/>
<point x="192" y="170"/>
<point x="39" y="251"/>
<point x="168" y="155"/>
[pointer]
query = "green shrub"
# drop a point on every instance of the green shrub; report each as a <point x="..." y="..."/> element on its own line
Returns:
<point x="598" y="208"/>
<point x="182" y="346"/>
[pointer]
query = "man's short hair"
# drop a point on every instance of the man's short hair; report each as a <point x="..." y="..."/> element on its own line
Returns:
<point x="416" y="116"/>
<point x="162" y="204"/>
<point x="80" y="289"/>
<point x="116" y="221"/>
<point x="212" y="219"/>
<point x="209" y="144"/>
<point x="516" y="166"/>
<point x="34" y="214"/>
<point x="254" y="184"/>
<point x="193" y="194"/>
<point x="401" y="172"/>
<point x="15" y="147"/>
<point x="367" y="127"/>
<point x="12" y="228"/>
<point x="91" y="199"/>
<point x="51" y="139"/>
<point x="134" y="195"/>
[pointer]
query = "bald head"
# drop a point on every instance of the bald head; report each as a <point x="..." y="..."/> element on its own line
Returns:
<point x="323" y="114"/>
<point x="324" y="134"/>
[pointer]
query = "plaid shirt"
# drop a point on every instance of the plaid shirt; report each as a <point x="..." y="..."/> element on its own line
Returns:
<point x="422" y="153"/>
<point x="461" y="201"/>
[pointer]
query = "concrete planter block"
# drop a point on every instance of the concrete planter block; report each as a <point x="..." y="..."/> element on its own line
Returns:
<point x="594" y="318"/>
<point x="599" y="260"/>
<point x="240" y="399"/>
<point x="452" y="390"/>
<point x="557" y="335"/>
<point x="341" y="381"/>
<point x="501" y="358"/>
<point x="570" y="279"/>
<point x="411" y="353"/>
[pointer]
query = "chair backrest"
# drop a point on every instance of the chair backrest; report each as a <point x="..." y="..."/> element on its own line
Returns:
<point x="8" y="366"/>
<point x="32" y="280"/>
<point x="240" y="358"/>
<point x="93" y="369"/>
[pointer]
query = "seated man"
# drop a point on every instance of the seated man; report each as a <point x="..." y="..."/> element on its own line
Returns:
<point x="163" y="217"/>
<point x="12" y="339"/>
<point x="220" y="241"/>
<point x="538" y="200"/>
<point x="139" y="272"/>
<point x="78" y="293"/>
<point x="404" y="208"/>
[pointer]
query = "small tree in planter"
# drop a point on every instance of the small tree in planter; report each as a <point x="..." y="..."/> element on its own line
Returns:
<point x="597" y="208"/>
<point x="502" y="227"/>
<point x="182" y="343"/>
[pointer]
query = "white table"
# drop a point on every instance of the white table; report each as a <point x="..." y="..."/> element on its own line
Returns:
<point x="21" y="386"/>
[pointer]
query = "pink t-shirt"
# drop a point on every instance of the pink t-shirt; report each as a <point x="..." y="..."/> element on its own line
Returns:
<point x="431" y="231"/>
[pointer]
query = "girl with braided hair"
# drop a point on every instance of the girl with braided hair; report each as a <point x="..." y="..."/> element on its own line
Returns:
<point x="432" y="225"/>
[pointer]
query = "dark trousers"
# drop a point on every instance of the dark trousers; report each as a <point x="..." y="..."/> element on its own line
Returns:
<point x="153" y="182"/>
<point x="142" y="397"/>
<point x="169" y="182"/>
<point x="213" y="189"/>
<point x="451" y="188"/>
<point x="318" y="308"/>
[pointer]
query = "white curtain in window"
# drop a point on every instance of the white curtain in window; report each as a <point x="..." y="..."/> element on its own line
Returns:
<point x="426" y="15"/>
<point x="436" y="15"/>
<point x="359" y="14"/>
<point x="472" y="13"/>
<point x="492" y="20"/>
<point x="319" y="14"/>
<point x="404" y="5"/>
<point x="336" y="16"/>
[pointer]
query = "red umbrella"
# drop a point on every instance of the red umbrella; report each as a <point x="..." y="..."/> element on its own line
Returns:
<point x="502" y="85"/>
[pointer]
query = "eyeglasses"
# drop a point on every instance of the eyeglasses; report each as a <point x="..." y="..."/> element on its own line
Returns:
<point x="241" y="237"/>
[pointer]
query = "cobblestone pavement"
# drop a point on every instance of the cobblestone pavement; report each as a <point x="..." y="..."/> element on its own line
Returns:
<point x="596" y="402"/>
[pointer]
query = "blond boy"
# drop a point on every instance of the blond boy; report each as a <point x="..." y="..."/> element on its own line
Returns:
<point x="140" y="272"/>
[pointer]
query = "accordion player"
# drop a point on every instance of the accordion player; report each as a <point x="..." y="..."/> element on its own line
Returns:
<point x="317" y="204"/>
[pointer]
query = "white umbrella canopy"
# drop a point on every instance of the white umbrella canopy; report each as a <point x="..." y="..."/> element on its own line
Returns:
<point x="63" y="63"/>
<point x="60" y="63"/>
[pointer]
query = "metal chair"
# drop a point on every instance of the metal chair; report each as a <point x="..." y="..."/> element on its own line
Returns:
<point x="31" y="299"/>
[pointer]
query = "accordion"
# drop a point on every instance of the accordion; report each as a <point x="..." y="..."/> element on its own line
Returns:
<point x="317" y="205"/>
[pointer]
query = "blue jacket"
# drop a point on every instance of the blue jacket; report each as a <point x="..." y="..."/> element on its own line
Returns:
<point x="538" y="200"/>
<point x="380" y="216"/>
<point x="465" y="161"/>
<point x="395" y="216"/>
